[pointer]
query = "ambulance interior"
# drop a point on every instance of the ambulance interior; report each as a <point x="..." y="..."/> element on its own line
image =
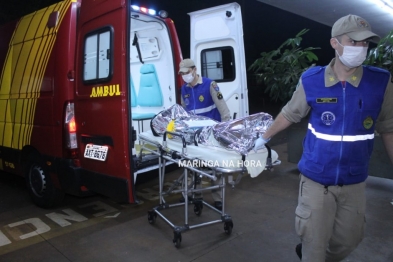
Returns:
<point x="153" y="69"/>
<point x="152" y="77"/>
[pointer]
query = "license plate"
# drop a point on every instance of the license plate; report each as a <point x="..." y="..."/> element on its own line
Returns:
<point x="96" y="152"/>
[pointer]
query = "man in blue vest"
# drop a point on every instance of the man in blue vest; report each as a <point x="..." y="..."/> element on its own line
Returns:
<point x="346" y="102"/>
<point x="202" y="96"/>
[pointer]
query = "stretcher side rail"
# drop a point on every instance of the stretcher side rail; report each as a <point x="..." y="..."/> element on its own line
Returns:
<point x="240" y="171"/>
<point x="184" y="156"/>
<point x="174" y="156"/>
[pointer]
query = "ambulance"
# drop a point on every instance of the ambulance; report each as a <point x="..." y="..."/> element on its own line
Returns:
<point x="80" y="79"/>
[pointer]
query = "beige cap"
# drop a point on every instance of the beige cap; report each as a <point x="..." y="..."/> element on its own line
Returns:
<point x="185" y="65"/>
<point x="355" y="27"/>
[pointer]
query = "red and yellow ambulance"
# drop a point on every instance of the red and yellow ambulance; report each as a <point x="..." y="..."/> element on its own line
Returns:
<point x="73" y="97"/>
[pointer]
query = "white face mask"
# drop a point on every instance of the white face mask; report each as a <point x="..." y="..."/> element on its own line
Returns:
<point x="353" y="56"/>
<point x="188" y="78"/>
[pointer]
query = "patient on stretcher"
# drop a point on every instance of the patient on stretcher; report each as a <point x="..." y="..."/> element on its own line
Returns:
<point x="238" y="135"/>
<point x="229" y="145"/>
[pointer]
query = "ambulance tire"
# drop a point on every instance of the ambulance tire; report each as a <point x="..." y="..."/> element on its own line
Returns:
<point x="39" y="184"/>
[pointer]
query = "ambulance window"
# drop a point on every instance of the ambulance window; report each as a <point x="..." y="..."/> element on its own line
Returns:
<point x="218" y="64"/>
<point x="98" y="56"/>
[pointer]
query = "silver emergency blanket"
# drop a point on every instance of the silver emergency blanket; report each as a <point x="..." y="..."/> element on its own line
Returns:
<point x="238" y="134"/>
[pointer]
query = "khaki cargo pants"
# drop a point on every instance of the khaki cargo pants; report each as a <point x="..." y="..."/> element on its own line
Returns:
<point x="329" y="221"/>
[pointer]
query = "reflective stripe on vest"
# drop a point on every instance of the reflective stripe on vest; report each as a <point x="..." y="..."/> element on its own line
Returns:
<point x="340" y="138"/>
<point x="204" y="110"/>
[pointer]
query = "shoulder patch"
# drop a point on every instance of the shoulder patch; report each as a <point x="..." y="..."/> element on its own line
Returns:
<point x="215" y="86"/>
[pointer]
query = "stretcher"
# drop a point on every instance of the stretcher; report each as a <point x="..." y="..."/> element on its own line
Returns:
<point x="200" y="161"/>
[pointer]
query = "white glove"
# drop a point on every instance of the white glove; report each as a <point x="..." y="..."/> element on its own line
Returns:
<point x="260" y="143"/>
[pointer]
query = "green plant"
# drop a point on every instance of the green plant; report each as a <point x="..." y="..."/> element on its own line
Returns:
<point x="382" y="54"/>
<point x="279" y="70"/>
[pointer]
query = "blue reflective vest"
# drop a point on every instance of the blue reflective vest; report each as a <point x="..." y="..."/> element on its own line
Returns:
<point x="199" y="101"/>
<point x="339" y="140"/>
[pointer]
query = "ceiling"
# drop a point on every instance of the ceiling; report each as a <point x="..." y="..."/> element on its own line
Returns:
<point x="328" y="11"/>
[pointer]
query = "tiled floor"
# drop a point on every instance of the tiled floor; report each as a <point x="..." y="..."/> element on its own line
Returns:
<point x="97" y="229"/>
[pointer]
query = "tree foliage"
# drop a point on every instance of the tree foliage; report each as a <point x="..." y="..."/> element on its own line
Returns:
<point x="279" y="70"/>
<point x="382" y="54"/>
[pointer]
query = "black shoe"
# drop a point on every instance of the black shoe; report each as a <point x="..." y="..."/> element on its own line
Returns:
<point x="299" y="250"/>
<point x="218" y="205"/>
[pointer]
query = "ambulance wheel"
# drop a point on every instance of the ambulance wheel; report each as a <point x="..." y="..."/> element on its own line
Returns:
<point x="151" y="217"/>
<point x="176" y="239"/>
<point x="228" y="227"/>
<point x="39" y="184"/>
<point x="198" y="209"/>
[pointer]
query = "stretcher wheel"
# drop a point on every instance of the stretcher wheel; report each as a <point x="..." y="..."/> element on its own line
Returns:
<point x="177" y="239"/>
<point x="198" y="209"/>
<point x="151" y="217"/>
<point x="228" y="227"/>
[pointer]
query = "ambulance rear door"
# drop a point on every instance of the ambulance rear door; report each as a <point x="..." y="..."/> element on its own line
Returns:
<point x="217" y="48"/>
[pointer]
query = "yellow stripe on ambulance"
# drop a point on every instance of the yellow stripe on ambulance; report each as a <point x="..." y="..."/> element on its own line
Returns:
<point x="29" y="51"/>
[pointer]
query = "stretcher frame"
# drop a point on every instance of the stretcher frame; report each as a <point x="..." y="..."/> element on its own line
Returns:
<point x="166" y="154"/>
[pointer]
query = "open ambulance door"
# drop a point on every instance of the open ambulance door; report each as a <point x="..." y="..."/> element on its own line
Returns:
<point x="217" y="48"/>
<point x="101" y="100"/>
<point x="154" y="55"/>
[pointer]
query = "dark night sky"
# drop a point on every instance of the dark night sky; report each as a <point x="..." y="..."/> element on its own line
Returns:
<point x="12" y="9"/>
<point x="265" y="27"/>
